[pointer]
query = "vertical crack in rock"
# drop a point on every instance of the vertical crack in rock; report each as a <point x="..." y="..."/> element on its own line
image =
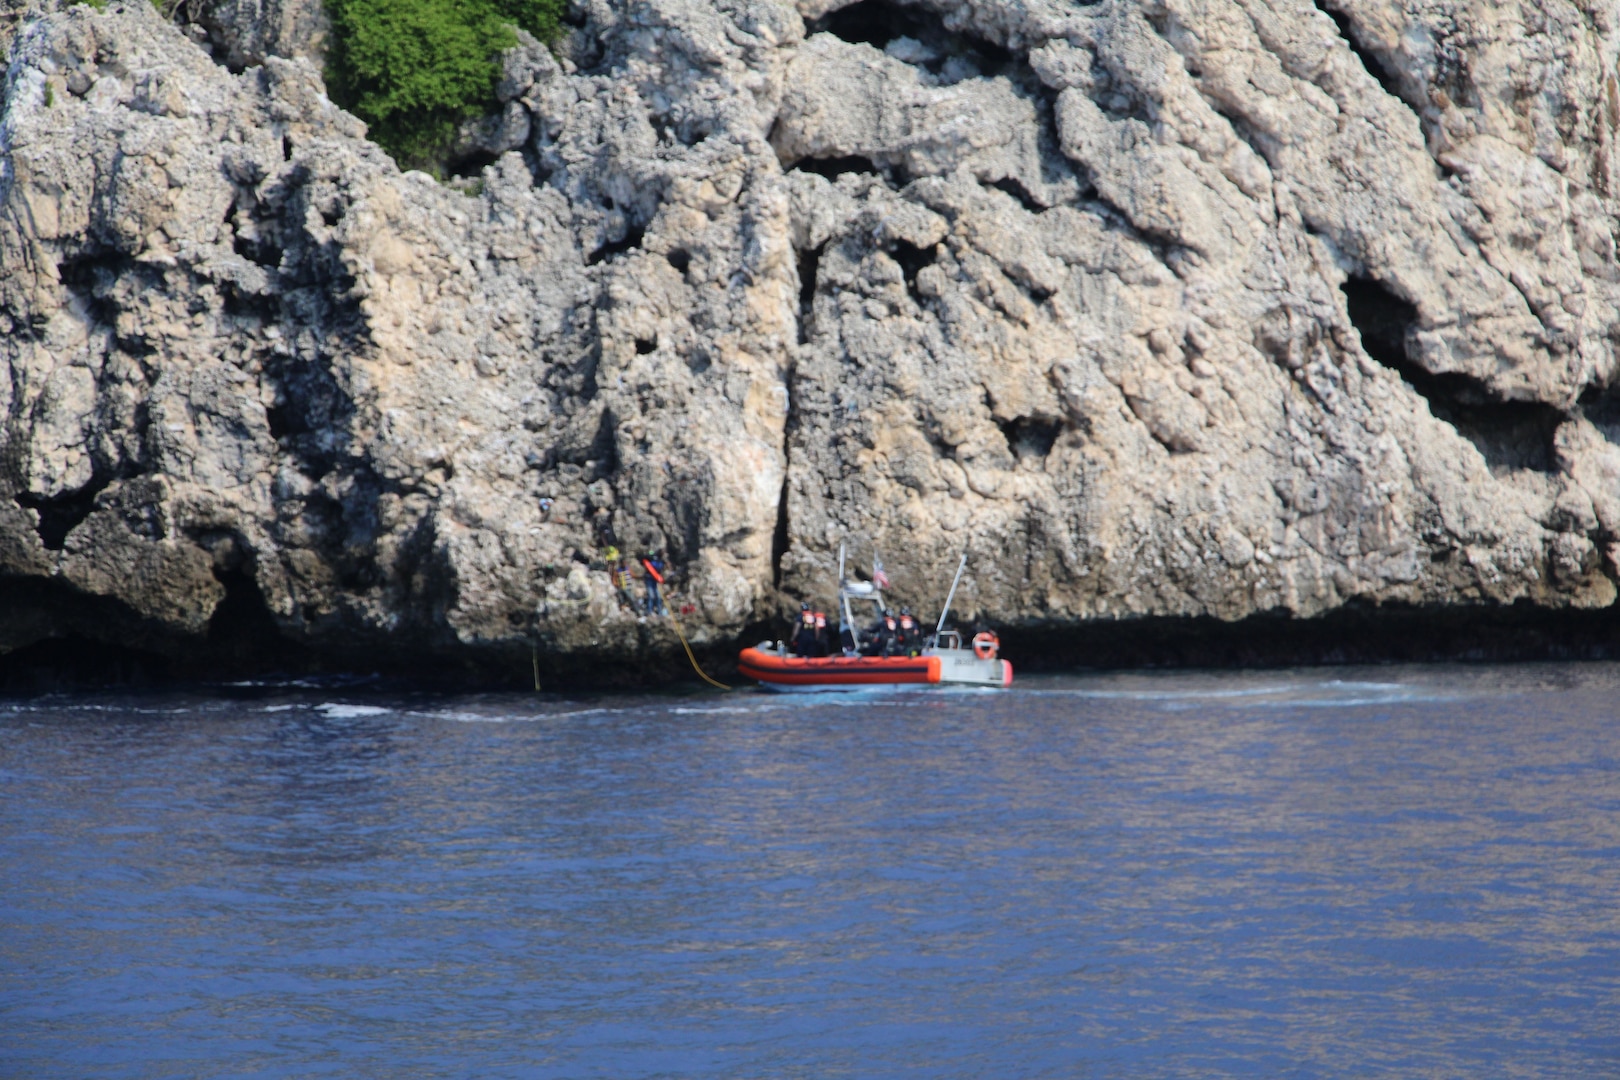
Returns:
<point x="779" y="536"/>
<point x="809" y="265"/>
<point x="1509" y="434"/>
<point x="1374" y="66"/>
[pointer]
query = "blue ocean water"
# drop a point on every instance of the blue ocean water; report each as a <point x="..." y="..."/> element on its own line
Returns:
<point x="1405" y="871"/>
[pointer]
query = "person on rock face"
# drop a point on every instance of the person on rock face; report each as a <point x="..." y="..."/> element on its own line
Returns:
<point x="653" y="562"/>
<point x="804" y="635"/>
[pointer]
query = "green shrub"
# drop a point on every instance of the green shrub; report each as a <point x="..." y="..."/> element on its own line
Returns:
<point x="413" y="69"/>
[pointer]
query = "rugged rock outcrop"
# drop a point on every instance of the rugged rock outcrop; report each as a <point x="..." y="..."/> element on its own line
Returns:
<point x="1163" y="308"/>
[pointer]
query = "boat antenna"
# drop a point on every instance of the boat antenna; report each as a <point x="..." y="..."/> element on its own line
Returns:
<point x="840" y="567"/>
<point x="948" y="598"/>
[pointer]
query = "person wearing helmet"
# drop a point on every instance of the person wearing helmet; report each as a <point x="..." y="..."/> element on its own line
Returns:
<point x="653" y="563"/>
<point x="908" y="635"/>
<point x="804" y="634"/>
<point x="882" y="638"/>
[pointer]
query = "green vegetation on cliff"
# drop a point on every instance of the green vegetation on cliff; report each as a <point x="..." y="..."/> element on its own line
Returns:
<point x="413" y="69"/>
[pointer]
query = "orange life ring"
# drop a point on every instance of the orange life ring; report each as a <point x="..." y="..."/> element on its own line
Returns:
<point x="985" y="645"/>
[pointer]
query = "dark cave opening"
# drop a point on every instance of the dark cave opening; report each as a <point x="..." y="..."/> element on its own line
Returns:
<point x="61" y="514"/>
<point x="912" y="259"/>
<point x="834" y="167"/>
<point x="1030" y="436"/>
<point x="680" y="259"/>
<point x="631" y="240"/>
<point x="472" y="164"/>
<point x="879" y="22"/>
<point x="646" y="345"/>
<point x="1509" y="434"/>
<point x="1382" y="319"/>
<point x="242" y="625"/>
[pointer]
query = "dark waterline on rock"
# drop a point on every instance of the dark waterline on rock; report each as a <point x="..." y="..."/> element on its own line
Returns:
<point x="1407" y="870"/>
<point x="1351" y="634"/>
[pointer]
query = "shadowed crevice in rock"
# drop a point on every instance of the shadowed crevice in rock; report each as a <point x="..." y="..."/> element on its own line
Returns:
<point x="1030" y="436"/>
<point x="779" y="537"/>
<point x="93" y="277"/>
<point x="944" y="56"/>
<point x="834" y="167"/>
<point x="251" y="238"/>
<point x="242" y="625"/>
<point x="1354" y="634"/>
<point x="1509" y="434"/>
<point x="309" y="414"/>
<point x="809" y="265"/>
<point x="629" y="242"/>
<point x="912" y="259"/>
<point x="472" y="164"/>
<point x="1009" y="186"/>
<point x="1374" y="66"/>
<point x="879" y="23"/>
<point x="61" y="514"/>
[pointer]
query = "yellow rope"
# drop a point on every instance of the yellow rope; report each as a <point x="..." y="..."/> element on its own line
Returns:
<point x="689" y="655"/>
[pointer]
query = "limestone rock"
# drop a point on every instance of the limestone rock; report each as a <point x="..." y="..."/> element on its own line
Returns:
<point x="1156" y="307"/>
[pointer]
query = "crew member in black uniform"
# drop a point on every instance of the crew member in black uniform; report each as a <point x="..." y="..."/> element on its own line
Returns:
<point x="908" y="635"/>
<point x="804" y="636"/>
<point x="882" y="638"/>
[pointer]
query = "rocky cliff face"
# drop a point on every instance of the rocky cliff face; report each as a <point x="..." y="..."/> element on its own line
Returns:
<point x="1170" y="307"/>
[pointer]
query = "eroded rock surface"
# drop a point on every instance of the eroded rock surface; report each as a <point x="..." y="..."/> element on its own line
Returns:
<point x="1195" y="307"/>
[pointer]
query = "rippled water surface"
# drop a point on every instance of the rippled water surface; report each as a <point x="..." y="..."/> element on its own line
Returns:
<point x="1413" y="871"/>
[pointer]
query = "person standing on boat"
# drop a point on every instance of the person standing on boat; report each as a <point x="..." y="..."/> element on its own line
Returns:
<point x="882" y="638"/>
<point x="804" y="635"/>
<point x="908" y="636"/>
<point x="823" y="646"/>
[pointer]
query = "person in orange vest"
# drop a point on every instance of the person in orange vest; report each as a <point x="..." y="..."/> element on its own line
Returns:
<point x="908" y="635"/>
<point x="881" y="638"/>
<point x="804" y="633"/>
<point x="823" y="646"/>
<point x="654" y="565"/>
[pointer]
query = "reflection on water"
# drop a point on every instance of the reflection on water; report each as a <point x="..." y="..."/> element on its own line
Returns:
<point x="1407" y="869"/>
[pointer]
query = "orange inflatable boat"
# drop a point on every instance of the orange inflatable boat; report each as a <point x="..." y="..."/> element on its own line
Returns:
<point x="780" y="670"/>
<point x="945" y="661"/>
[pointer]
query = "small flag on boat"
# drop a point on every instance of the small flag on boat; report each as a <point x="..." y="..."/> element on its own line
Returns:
<point x="879" y="578"/>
